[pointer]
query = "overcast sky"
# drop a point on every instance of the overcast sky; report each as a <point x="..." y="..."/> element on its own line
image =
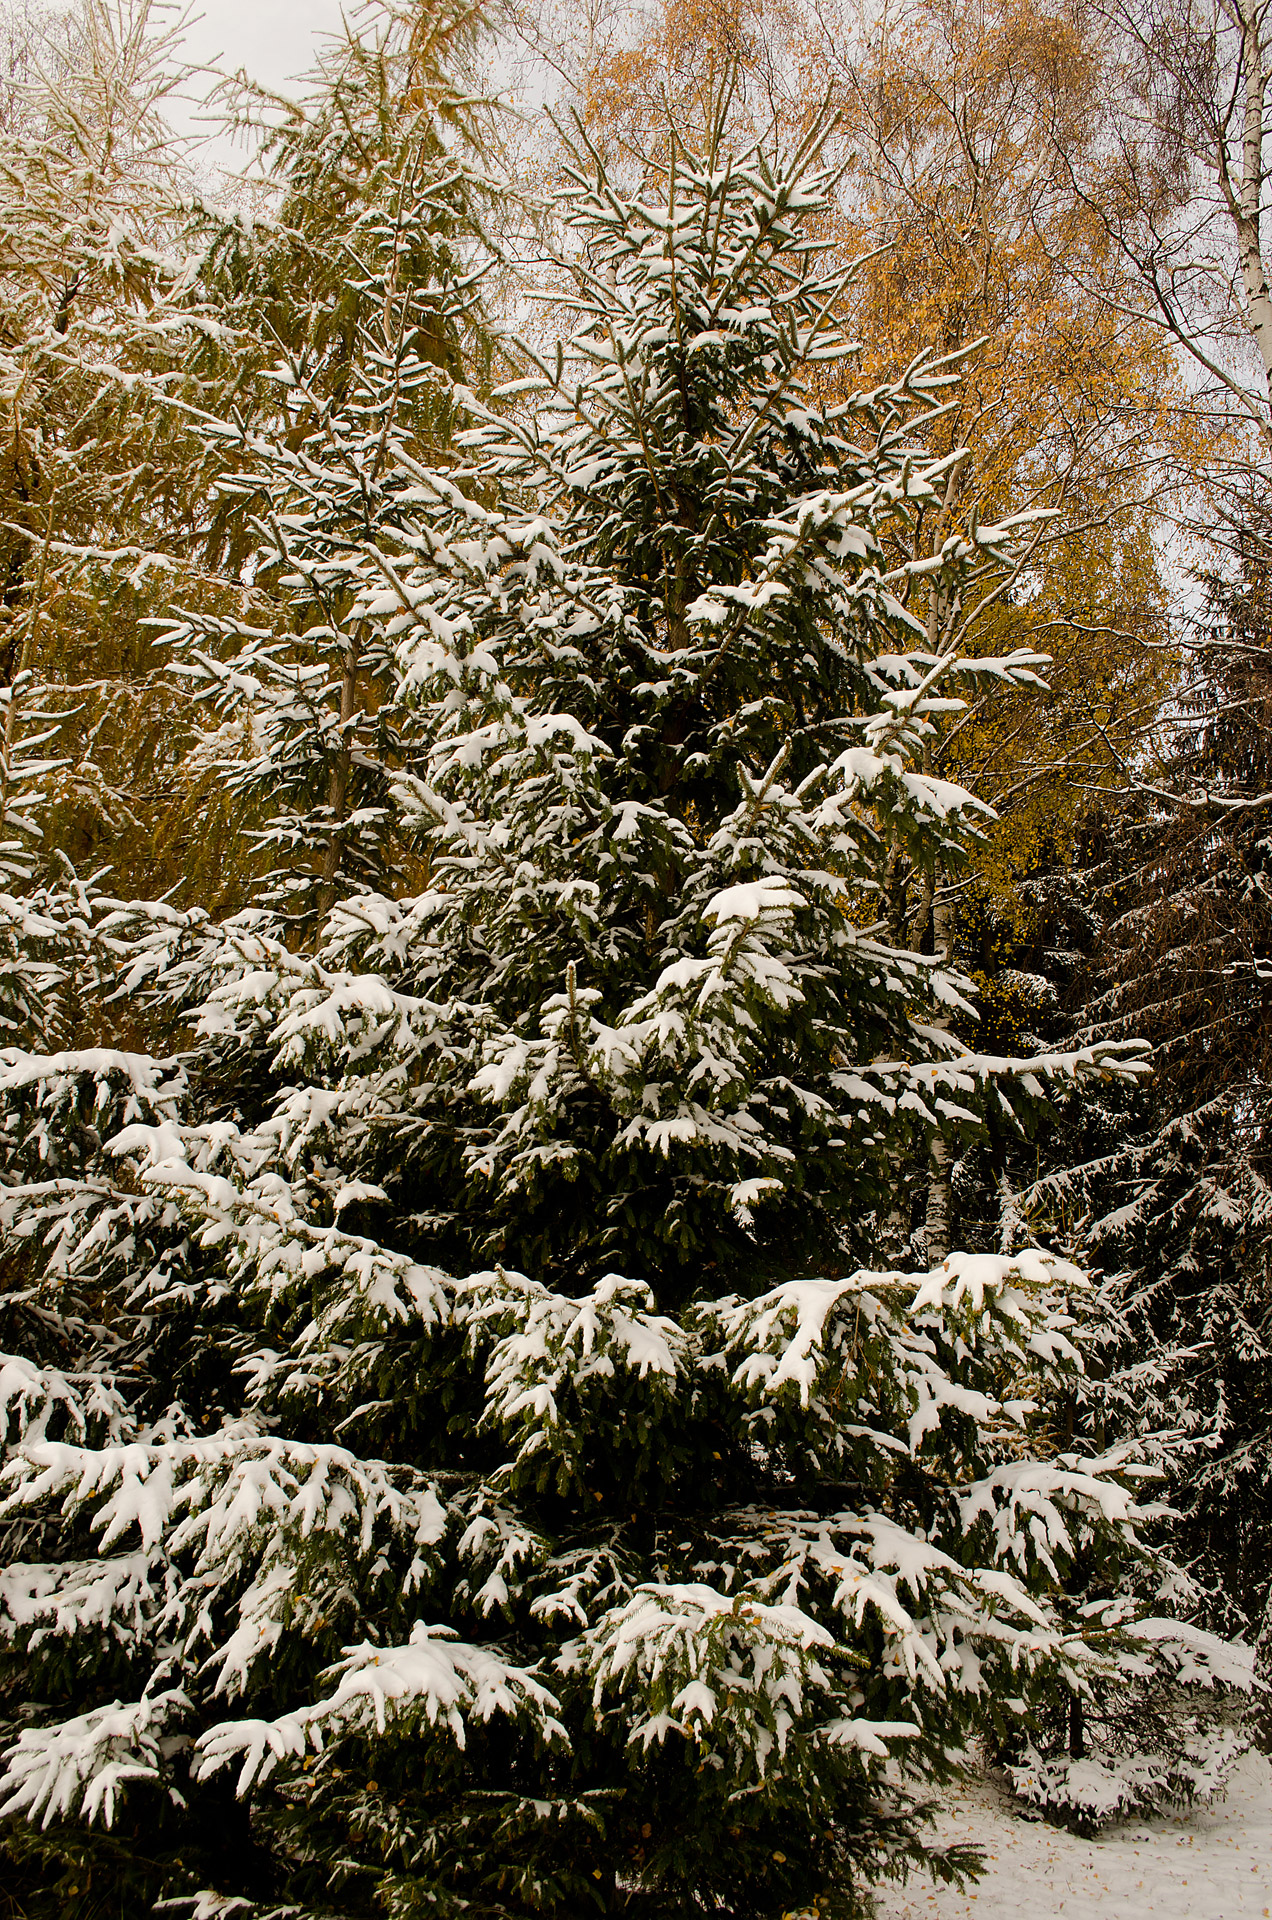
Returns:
<point x="274" y="39"/>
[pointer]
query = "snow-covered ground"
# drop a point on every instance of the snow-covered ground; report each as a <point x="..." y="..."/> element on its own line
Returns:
<point x="1212" y="1864"/>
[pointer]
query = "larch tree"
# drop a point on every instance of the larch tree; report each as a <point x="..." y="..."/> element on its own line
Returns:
<point x="349" y="311"/>
<point x="94" y="292"/>
<point x="90" y="273"/>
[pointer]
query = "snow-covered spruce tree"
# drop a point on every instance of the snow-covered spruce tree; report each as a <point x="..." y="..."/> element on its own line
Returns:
<point x="1164" y="1192"/>
<point x="1153" y="1204"/>
<point x="1185" y="1200"/>
<point x="485" y="1478"/>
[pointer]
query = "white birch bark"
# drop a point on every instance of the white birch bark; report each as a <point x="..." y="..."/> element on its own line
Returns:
<point x="1247" y="210"/>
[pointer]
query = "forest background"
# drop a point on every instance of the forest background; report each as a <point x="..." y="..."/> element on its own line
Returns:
<point x="1065" y="206"/>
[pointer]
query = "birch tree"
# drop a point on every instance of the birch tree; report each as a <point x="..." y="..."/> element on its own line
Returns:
<point x="1184" y="191"/>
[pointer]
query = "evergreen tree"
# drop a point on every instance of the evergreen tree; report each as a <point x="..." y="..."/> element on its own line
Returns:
<point x="1174" y="1202"/>
<point x="458" y="1458"/>
<point x="1159" y="924"/>
<point x="1186" y="1212"/>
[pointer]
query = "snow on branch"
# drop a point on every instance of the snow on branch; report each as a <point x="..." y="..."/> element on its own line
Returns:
<point x="81" y="1766"/>
<point x="433" y="1681"/>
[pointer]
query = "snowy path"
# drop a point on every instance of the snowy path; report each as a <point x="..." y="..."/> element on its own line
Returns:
<point x="1212" y="1864"/>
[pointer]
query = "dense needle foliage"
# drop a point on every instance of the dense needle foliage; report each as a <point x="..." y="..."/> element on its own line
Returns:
<point x="460" y="1455"/>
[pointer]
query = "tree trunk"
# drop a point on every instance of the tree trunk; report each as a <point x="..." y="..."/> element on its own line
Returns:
<point x="338" y="779"/>
<point x="1249" y="234"/>
<point x="1077" y="1729"/>
<point x="896" y="1225"/>
<point x="936" y="1230"/>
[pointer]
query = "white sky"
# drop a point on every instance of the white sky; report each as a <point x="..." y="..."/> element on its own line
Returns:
<point x="274" y="40"/>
